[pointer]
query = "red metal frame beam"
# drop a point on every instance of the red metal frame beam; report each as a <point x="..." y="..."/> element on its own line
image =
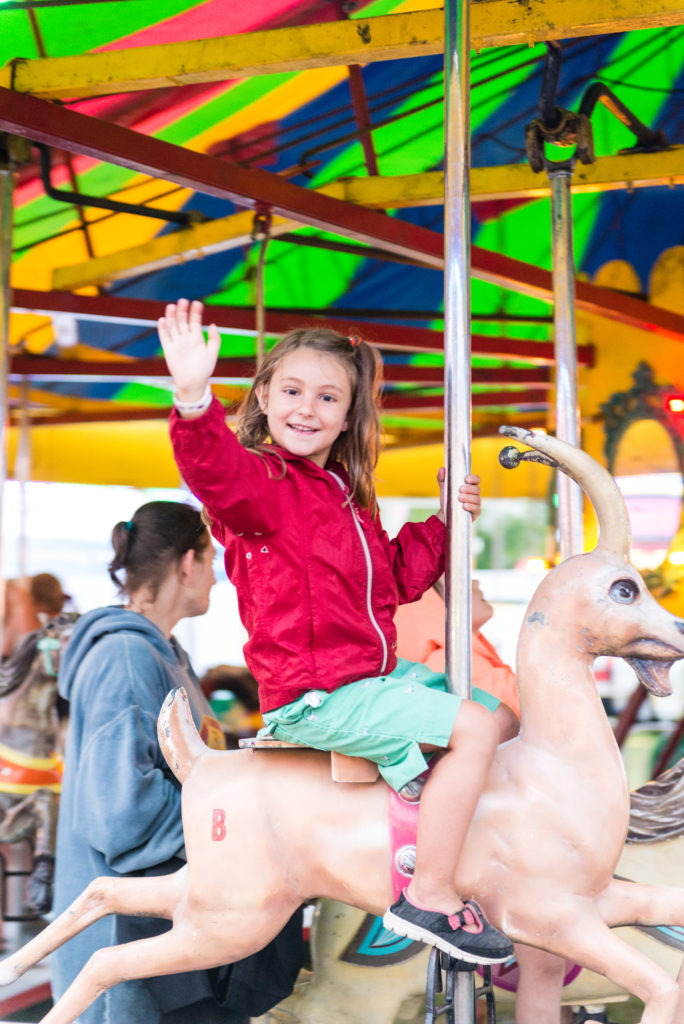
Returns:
<point x="116" y="415"/>
<point x="54" y="125"/>
<point x="508" y="399"/>
<point x="590" y="298"/>
<point x="48" y="367"/>
<point x="113" y="309"/>
<point x="532" y="401"/>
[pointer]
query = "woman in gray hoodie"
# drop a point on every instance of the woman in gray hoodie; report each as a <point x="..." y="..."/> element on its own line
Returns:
<point x="120" y="810"/>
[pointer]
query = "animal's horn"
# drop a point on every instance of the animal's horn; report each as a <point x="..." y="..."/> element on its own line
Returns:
<point x="596" y="482"/>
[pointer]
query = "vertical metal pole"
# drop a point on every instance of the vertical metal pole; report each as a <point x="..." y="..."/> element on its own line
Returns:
<point x="22" y="473"/>
<point x="457" y="373"/>
<point x="571" y="538"/>
<point x="457" y="403"/>
<point x="6" y="197"/>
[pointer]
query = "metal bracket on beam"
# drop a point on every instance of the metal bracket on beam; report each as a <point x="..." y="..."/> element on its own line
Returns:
<point x="14" y="151"/>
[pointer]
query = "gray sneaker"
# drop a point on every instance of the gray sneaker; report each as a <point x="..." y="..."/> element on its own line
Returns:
<point x="467" y="935"/>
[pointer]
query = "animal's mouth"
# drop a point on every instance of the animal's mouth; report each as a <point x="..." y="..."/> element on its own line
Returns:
<point x="653" y="674"/>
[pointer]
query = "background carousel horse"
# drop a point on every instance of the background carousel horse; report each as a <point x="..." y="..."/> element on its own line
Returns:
<point x="30" y="767"/>
<point x="542" y="849"/>
<point x="361" y="971"/>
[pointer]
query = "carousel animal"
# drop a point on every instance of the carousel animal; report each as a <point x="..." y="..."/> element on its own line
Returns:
<point x="268" y="830"/>
<point x="362" y="972"/>
<point x="30" y="767"/>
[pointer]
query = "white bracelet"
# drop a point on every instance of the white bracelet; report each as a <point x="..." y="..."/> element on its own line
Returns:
<point x="199" y="406"/>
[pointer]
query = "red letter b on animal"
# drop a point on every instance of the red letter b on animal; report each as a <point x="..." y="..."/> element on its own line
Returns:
<point x="218" y="825"/>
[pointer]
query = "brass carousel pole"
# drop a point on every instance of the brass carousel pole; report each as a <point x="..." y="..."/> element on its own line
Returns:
<point x="457" y="374"/>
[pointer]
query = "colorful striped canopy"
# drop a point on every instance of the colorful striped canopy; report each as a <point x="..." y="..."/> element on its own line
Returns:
<point x="315" y="128"/>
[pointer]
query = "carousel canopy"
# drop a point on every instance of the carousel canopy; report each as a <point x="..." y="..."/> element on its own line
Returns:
<point x="294" y="149"/>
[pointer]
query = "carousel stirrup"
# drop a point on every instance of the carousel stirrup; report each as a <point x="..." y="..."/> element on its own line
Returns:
<point x="441" y="977"/>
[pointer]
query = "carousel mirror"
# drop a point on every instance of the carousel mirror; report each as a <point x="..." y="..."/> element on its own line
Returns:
<point x="648" y="472"/>
<point x="644" y="452"/>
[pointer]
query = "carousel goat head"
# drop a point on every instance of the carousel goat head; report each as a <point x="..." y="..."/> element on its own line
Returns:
<point x="544" y="841"/>
<point x="628" y="621"/>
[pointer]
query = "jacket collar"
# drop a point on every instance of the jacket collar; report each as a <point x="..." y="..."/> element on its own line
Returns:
<point x="306" y="465"/>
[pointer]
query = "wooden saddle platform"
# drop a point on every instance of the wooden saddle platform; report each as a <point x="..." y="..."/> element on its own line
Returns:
<point x="343" y="768"/>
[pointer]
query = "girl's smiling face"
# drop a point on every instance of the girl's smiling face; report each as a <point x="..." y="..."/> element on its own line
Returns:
<point x="306" y="403"/>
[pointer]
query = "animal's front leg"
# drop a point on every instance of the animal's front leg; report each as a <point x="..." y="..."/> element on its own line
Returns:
<point x="578" y="932"/>
<point x="538" y="999"/>
<point x="652" y="905"/>
<point x="39" y="889"/>
<point x="18" y="820"/>
<point x="626" y="902"/>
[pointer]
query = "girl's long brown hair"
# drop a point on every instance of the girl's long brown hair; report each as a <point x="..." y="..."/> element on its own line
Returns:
<point x="357" y="447"/>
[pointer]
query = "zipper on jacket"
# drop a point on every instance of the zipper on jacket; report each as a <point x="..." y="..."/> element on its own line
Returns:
<point x="369" y="568"/>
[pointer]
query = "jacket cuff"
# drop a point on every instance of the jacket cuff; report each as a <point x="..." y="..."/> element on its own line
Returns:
<point x="178" y="422"/>
<point x="436" y="529"/>
<point x="187" y="434"/>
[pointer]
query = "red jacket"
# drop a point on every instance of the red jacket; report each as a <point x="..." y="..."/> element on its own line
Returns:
<point x="318" y="581"/>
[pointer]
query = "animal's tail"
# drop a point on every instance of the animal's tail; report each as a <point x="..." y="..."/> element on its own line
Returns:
<point x="180" y="742"/>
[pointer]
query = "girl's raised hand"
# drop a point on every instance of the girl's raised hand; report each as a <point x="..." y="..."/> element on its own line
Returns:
<point x="468" y="494"/>
<point x="191" y="360"/>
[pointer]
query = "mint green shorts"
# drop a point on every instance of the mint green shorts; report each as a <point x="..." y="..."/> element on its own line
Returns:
<point x="384" y="719"/>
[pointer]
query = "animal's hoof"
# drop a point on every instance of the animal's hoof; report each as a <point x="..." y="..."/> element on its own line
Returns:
<point x="7" y="974"/>
<point x="39" y="889"/>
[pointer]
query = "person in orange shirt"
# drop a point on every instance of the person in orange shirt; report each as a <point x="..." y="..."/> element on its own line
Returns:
<point x="420" y="637"/>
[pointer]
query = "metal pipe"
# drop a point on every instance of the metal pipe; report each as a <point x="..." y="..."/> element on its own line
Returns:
<point x="457" y="400"/>
<point x="549" y="87"/>
<point x="647" y="138"/>
<point x="22" y="472"/>
<point x="357" y="91"/>
<point x="565" y="346"/>
<point x="6" y="197"/>
<point x="260" y="302"/>
<point x="79" y="200"/>
<point x="457" y="362"/>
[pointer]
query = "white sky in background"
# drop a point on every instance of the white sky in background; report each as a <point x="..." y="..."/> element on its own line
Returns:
<point x="68" y="529"/>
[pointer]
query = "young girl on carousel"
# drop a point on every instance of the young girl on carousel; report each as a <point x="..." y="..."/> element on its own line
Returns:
<point x="291" y="498"/>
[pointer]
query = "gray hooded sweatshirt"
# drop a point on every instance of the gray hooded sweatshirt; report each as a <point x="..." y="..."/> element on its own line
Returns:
<point x="120" y="806"/>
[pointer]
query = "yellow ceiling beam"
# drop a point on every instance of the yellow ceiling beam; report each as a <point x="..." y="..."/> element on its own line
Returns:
<point x="58" y="402"/>
<point x="514" y="181"/>
<point x="608" y="174"/>
<point x="357" y="41"/>
<point x="190" y="243"/>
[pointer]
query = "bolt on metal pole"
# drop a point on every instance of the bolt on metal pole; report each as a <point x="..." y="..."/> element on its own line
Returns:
<point x="571" y="539"/>
<point x="457" y="373"/>
<point x="6" y="198"/>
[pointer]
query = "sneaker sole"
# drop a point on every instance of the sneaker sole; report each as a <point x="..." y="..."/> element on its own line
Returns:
<point x="418" y="934"/>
